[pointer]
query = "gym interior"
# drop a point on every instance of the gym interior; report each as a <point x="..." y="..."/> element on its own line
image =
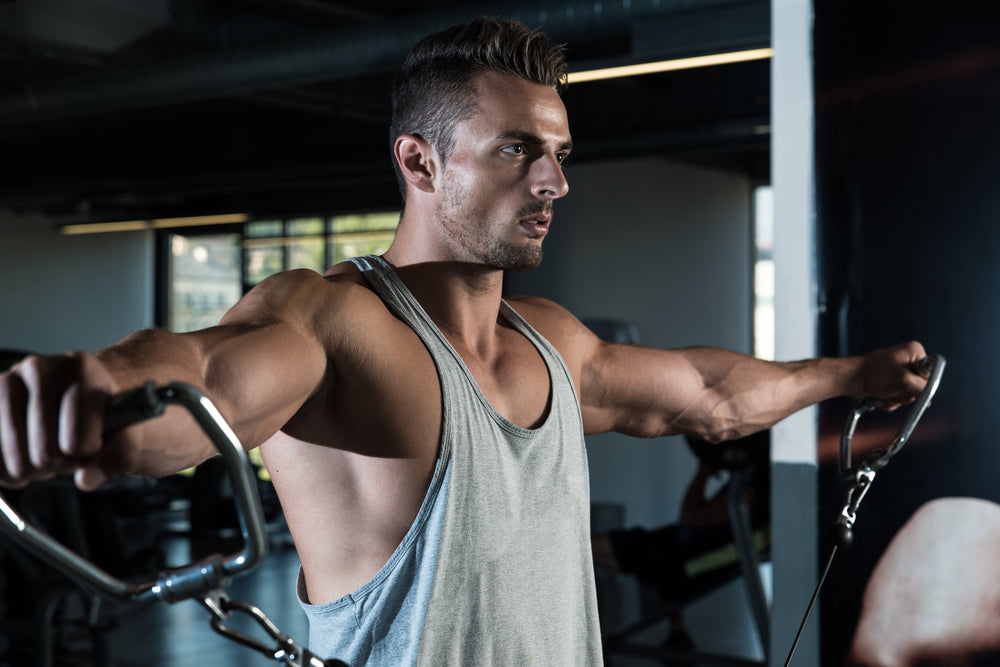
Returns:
<point x="828" y="189"/>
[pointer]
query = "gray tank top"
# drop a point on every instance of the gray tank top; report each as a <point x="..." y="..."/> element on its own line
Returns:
<point x="511" y="580"/>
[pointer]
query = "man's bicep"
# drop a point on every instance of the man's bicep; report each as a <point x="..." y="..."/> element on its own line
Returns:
<point x="267" y="366"/>
<point x="256" y="375"/>
<point x="265" y="358"/>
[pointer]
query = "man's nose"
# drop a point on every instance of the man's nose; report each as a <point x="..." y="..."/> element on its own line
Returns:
<point x="549" y="181"/>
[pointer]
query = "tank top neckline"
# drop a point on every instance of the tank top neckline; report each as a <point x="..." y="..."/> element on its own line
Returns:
<point x="511" y="316"/>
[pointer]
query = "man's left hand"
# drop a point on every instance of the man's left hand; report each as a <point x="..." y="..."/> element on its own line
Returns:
<point x="894" y="376"/>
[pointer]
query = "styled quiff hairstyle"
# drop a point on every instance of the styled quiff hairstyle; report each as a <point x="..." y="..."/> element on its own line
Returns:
<point x="436" y="88"/>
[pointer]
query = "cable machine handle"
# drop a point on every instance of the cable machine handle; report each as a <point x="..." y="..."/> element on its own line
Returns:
<point x="189" y="581"/>
<point x="880" y="457"/>
<point x="863" y="474"/>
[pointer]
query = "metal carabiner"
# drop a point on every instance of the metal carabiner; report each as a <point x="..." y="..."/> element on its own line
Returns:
<point x="842" y="531"/>
<point x="879" y="458"/>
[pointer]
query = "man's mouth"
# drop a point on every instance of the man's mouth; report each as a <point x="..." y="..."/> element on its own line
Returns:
<point x="536" y="222"/>
<point x="534" y="229"/>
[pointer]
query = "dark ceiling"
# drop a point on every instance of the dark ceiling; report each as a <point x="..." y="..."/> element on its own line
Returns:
<point x="123" y="109"/>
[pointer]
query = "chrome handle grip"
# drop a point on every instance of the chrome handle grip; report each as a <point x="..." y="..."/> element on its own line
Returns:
<point x="880" y="457"/>
<point x="180" y="583"/>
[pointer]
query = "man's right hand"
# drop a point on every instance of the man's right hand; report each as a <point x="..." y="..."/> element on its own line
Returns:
<point x="52" y="422"/>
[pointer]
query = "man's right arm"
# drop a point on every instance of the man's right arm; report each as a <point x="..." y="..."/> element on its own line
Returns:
<point x="258" y="366"/>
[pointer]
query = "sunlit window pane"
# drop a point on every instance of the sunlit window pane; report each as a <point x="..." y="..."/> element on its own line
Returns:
<point x="204" y="277"/>
<point x="345" y="246"/>
<point x="304" y="227"/>
<point x="306" y="253"/>
<point x="263" y="259"/>
<point x="264" y="228"/>
<point x="364" y="222"/>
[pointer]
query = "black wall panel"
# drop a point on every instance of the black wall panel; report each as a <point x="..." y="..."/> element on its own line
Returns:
<point x="908" y="198"/>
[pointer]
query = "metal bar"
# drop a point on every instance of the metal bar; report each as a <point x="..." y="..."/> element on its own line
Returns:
<point x="746" y="549"/>
<point x="179" y="583"/>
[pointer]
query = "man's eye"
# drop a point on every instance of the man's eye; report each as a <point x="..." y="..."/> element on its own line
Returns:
<point x="561" y="157"/>
<point x="515" y="149"/>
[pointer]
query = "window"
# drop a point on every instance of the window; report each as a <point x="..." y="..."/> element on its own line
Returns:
<point x="313" y="243"/>
<point x="209" y="269"/>
<point x="763" y="273"/>
<point x="204" y="279"/>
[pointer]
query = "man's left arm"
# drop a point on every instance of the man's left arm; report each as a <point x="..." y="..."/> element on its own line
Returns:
<point x="718" y="395"/>
<point x="711" y="393"/>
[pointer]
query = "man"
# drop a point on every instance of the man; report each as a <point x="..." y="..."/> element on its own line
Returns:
<point x="425" y="437"/>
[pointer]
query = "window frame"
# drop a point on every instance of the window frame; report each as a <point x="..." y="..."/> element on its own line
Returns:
<point x="163" y="283"/>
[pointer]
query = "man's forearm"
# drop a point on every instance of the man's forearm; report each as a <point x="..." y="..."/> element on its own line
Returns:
<point x="173" y="441"/>
<point x="152" y="354"/>
<point x="744" y="394"/>
<point x="752" y="394"/>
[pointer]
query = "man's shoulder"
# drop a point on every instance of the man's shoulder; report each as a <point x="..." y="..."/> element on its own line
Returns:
<point x="344" y="272"/>
<point x="556" y="323"/>
<point x="338" y="296"/>
<point x="538" y="311"/>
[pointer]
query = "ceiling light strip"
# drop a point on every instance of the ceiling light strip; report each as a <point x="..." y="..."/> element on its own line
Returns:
<point x="198" y="220"/>
<point x="671" y="65"/>
<point x="105" y="227"/>
<point x="159" y="223"/>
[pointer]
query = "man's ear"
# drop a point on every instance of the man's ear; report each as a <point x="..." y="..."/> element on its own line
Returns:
<point x="417" y="160"/>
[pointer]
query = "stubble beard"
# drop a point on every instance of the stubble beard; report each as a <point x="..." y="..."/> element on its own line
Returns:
<point x="468" y="231"/>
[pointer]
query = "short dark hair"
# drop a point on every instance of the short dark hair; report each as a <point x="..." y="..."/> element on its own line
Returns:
<point x="436" y="88"/>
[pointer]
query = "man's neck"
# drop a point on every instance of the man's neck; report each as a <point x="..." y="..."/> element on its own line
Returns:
<point x="462" y="299"/>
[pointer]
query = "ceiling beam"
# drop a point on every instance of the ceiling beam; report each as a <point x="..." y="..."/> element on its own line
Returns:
<point x="329" y="55"/>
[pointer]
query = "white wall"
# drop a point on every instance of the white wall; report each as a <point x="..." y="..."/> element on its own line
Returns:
<point x="666" y="247"/>
<point x="71" y="292"/>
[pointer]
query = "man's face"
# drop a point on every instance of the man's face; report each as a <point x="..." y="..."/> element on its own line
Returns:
<point x="503" y="174"/>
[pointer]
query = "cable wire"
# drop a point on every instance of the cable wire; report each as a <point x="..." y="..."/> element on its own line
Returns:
<point x="812" y="603"/>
